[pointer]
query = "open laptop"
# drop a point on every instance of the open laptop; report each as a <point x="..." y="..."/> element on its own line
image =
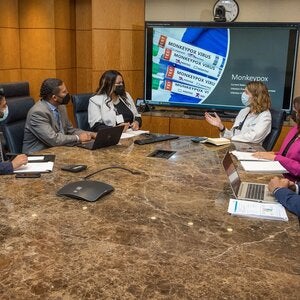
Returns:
<point x="105" y="137"/>
<point x="245" y="190"/>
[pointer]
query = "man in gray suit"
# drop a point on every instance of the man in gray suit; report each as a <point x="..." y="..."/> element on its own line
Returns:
<point x="47" y="124"/>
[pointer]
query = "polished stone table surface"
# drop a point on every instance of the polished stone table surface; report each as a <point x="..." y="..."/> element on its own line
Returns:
<point x="162" y="234"/>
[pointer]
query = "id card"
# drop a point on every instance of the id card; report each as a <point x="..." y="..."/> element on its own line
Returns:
<point x="119" y="119"/>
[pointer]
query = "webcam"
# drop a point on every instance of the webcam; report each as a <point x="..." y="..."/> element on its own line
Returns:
<point x="220" y="14"/>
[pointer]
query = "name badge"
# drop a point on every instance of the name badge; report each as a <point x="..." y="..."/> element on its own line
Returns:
<point x="119" y="119"/>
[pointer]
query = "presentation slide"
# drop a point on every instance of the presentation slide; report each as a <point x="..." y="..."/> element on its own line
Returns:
<point x="209" y="67"/>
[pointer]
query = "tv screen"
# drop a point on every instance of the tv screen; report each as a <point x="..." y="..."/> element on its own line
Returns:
<point x="207" y="65"/>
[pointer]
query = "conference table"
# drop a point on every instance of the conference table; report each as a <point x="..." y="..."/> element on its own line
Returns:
<point x="163" y="233"/>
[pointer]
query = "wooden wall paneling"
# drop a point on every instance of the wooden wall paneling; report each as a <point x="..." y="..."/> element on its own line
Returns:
<point x="156" y="124"/>
<point x="36" y="13"/>
<point x="10" y="66"/>
<point x="10" y="49"/>
<point x="118" y="14"/>
<point x="35" y="77"/>
<point x="185" y="126"/>
<point x="83" y="46"/>
<point x="9" y="14"/>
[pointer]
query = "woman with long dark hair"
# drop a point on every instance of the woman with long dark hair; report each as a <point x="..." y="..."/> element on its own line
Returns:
<point x="112" y="105"/>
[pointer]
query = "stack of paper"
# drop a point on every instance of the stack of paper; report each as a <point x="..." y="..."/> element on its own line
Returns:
<point x="271" y="211"/>
<point x="263" y="167"/>
<point x="39" y="167"/>
<point x="240" y="155"/>
<point x="132" y="133"/>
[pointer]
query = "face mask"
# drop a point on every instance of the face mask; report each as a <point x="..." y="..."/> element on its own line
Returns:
<point x="119" y="90"/>
<point x="5" y="114"/>
<point x="245" y="99"/>
<point x="65" y="100"/>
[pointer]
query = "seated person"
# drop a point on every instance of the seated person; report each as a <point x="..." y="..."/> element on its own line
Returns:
<point x="7" y="167"/>
<point x="112" y="105"/>
<point x="287" y="193"/>
<point x="254" y="122"/>
<point x="47" y="124"/>
<point x="289" y="152"/>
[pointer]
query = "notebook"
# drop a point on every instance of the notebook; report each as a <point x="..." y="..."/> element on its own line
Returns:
<point x="245" y="190"/>
<point x="105" y="137"/>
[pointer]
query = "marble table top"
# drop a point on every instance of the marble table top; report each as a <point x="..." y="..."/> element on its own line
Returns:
<point x="162" y="234"/>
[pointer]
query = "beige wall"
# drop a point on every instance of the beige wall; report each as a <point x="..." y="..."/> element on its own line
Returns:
<point x="250" y="10"/>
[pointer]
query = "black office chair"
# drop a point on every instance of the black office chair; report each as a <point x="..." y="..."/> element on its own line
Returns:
<point x="14" y="125"/>
<point x="80" y="110"/>
<point x="278" y="117"/>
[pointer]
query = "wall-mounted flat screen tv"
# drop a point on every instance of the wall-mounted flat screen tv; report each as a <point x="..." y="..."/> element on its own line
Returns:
<point x="207" y="65"/>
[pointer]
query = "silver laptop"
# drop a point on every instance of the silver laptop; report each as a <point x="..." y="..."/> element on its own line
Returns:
<point x="105" y="137"/>
<point x="245" y="190"/>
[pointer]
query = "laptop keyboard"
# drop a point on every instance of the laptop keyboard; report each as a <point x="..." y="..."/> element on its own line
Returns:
<point x="255" y="191"/>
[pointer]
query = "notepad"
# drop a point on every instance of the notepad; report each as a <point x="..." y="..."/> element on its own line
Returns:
<point x="244" y="208"/>
<point x="263" y="167"/>
<point x="217" y="141"/>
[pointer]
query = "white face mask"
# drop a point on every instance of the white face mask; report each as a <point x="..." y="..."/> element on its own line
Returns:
<point x="5" y="114"/>
<point x="245" y="99"/>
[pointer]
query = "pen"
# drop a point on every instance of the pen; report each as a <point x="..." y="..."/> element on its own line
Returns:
<point x="12" y="154"/>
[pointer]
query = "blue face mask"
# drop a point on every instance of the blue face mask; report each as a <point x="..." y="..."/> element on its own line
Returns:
<point x="5" y="114"/>
<point x="245" y="99"/>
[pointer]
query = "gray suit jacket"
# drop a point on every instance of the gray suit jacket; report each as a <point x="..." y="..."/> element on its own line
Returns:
<point x="42" y="131"/>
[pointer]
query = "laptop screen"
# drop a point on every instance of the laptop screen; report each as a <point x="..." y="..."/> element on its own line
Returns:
<point x="232" y="173"/>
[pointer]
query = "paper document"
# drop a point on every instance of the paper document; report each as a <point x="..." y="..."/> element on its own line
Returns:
<point x="35" y="158"/>
<point x="263" y="167"/>
<point x="240" y="155"/>
<point x="271" y="211"/>
<point x="131" y="133"/>
<point x="41" y="167"/>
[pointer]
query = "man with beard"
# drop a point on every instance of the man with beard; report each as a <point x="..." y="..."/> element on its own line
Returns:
<point x="47" y="124"/>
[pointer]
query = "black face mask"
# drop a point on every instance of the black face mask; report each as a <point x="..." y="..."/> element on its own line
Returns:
<point x="65" y="100"/>
<point x="119" y="90"/>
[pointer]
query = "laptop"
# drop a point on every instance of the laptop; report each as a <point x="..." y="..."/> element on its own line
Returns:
<point x="105" y="137"/>
<point x="245" y="190"/>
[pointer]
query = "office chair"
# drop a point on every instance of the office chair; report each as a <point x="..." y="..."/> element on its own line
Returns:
<point x="14" y="125"/>
<point x="80" y="110"/>
<point x="278" y="116"/>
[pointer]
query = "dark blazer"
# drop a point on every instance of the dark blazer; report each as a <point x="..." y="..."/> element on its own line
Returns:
<point x="289" y="199"/>
<point x="6" y="167"/>
<point x="42" y="130"/>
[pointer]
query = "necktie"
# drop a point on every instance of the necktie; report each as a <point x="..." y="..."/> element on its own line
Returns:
<point x="57" y="118"/>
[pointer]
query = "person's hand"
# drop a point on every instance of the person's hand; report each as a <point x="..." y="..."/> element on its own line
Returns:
<point x="264" y="155"/>
<point x="84" y="137"/>
<point x="277" y="182"/>
<point x="2" y="104"/>
<point x="93" y="134"/>
<point x="19" y="161"/>
<point x="135" y="125"/>
<point x="214" y="120"/>
<point x="126" y="126"/>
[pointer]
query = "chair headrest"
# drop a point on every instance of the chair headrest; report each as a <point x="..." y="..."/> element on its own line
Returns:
<point x="278" y="117"/>
<point x="81" y="101"/>
<point x="18" y="108"/>
<point x="15" y="89"/>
